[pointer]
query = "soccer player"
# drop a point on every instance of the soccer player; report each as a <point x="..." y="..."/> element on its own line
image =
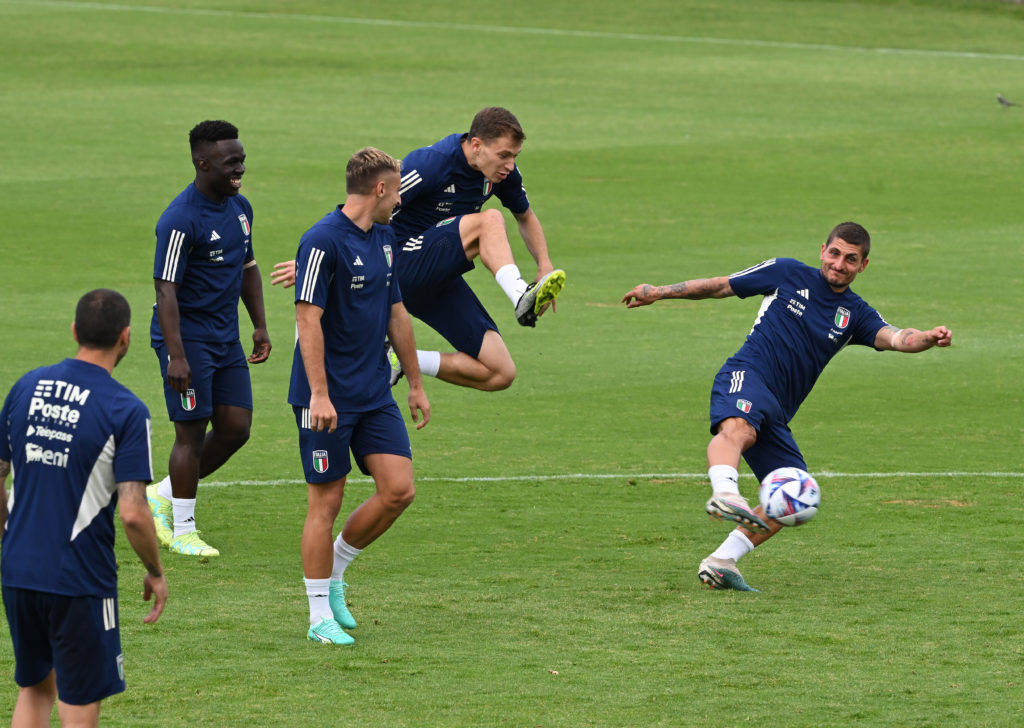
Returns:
<point x="78" y="443"/>
<point x="441" y="230"/>
<point x="204" y="263"/>
<point x="346" y="300"/>
<point x="807" y="316"/>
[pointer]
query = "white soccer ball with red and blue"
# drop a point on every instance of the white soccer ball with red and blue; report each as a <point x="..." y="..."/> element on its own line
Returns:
<point x="790" y="496"/>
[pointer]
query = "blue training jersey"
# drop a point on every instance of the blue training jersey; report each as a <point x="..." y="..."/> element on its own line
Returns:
<point x="802" y="324"/>
<point x="71" y="433"/>
<point x="347" y="272"/>
<point x="438" y="183"/>
<point x="203" y="247"/>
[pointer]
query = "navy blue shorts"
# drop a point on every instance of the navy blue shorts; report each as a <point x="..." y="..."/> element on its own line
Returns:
<point x="325" y="454"/>
<point x="220" y="375"/>
<point x="76" y="636"/>
<point x="430" y="269"/>
<point x="741" y="393"/>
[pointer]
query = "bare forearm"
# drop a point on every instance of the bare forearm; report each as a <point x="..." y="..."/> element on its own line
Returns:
<point x="252" y="295"/>
<point x="912" y="341"/>
<point x="168" y="316"/>
<point x="695" y="289"/>
<point x="536" y="243"/>
<point x="137" y="520"/>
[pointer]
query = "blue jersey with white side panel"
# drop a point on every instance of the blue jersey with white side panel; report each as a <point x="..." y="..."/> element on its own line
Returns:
<point x="71" y="433"/>
<point x="801" y="325"/>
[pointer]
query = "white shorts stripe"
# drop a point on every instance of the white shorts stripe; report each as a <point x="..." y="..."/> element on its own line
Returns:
<point x="109" y="614"/>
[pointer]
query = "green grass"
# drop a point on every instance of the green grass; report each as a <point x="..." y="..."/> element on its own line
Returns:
<point x="665" y="141"/>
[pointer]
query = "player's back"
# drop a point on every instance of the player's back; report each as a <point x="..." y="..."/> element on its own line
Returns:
<point x="73" y="432"/>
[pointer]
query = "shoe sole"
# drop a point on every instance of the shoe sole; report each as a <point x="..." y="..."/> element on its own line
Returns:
<point x="721" y="510"/>
<point x="549" y="289"/>
<point x="161" y="532"/>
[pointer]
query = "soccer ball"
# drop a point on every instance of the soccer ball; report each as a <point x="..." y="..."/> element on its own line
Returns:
<point x="790" y="496"/>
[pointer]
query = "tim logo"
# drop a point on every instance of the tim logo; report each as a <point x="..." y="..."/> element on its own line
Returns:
<point x="743" y="405"/>
<point x="842" y="318"/>
<point x="245" y="224"/>
<point x="188" y="400"/>
<point x="320" y="461"/>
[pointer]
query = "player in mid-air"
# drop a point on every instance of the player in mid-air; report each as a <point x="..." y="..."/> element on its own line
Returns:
<point x="204" y="263"/>
<point x="807" y="316"/>
<point x="77" y="443"/>
<point x="346" y="301"/>
<point x="441" y="230"/>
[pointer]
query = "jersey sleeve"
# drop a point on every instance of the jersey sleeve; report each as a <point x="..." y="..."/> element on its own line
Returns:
<point x="867" y="325"/>
<point x="133" y="459"/>
<point x="174" y="239"/>
<point x="313" y="265"/>
<point x="759" y="279"/>
<point x="5" y="440"/>
<point x="512" y="193"/>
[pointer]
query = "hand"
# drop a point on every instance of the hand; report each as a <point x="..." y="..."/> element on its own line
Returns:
<point x="154" y="586"/>
<point x="322" y="415"/>
<point x="941" y="335"/>
<point x="179" y="374"/>
<point x="418" y="405"/>
<point x="283" y="273"/>
<point x="260" y="346"/>
<point x="643" y="295"/>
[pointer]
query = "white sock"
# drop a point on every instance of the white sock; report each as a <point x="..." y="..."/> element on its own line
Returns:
<point x="735" y="546"/>
<point x="511" y="282"/>
<point x="430" y="362"/>
<point x="724" y="479"/>
<point x="319" y="599"/>
<point x="343" y="555"/>
<point x="163" y="488"/>
<point x="184" y="515"/>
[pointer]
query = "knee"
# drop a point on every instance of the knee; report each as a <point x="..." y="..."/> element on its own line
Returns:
<point x="502" y="378"/>
<point x="400" y="497"/>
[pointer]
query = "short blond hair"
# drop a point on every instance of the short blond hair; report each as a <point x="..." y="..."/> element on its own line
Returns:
<point x="366" y="167"/>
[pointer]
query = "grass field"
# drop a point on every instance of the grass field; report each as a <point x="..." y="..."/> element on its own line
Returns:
<point x="546" y="574"/>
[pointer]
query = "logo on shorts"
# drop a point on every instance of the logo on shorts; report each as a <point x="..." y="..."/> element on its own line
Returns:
<point x="446" y="221"/>
<point x="320" y="461"/>
<point x="188" y="400"/>
<point x="842" y="317"/>
<point x="743" y="405"/>
<point x="388" y="254"/>
<point x="245" y="224"/>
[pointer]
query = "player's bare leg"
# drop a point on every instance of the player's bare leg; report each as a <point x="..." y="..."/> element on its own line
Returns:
<point x="231" y="427"/>
<point x="35" y="702"/>
<point x="724" y="451"/>
<point x="392" y="475"/>
<point x="323" y="503"/>
<point x="491" y="370"/>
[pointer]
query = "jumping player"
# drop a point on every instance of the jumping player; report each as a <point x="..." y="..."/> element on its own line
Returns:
<point x="204" y="262"/>
<point x="441" y="230"/>
<point x="807" y="316"/>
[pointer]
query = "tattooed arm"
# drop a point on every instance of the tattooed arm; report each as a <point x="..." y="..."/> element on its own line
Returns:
<point x="911" y="341"/>
<point x="646" y="294"/>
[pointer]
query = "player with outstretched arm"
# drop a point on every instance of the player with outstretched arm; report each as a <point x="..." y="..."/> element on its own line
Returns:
<point x="807" y="316"/>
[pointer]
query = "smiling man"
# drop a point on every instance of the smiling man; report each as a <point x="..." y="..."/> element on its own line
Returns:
<point x="204" y="263"/>
<point x="807" y="316"/>
<point x="441" y="231"/>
